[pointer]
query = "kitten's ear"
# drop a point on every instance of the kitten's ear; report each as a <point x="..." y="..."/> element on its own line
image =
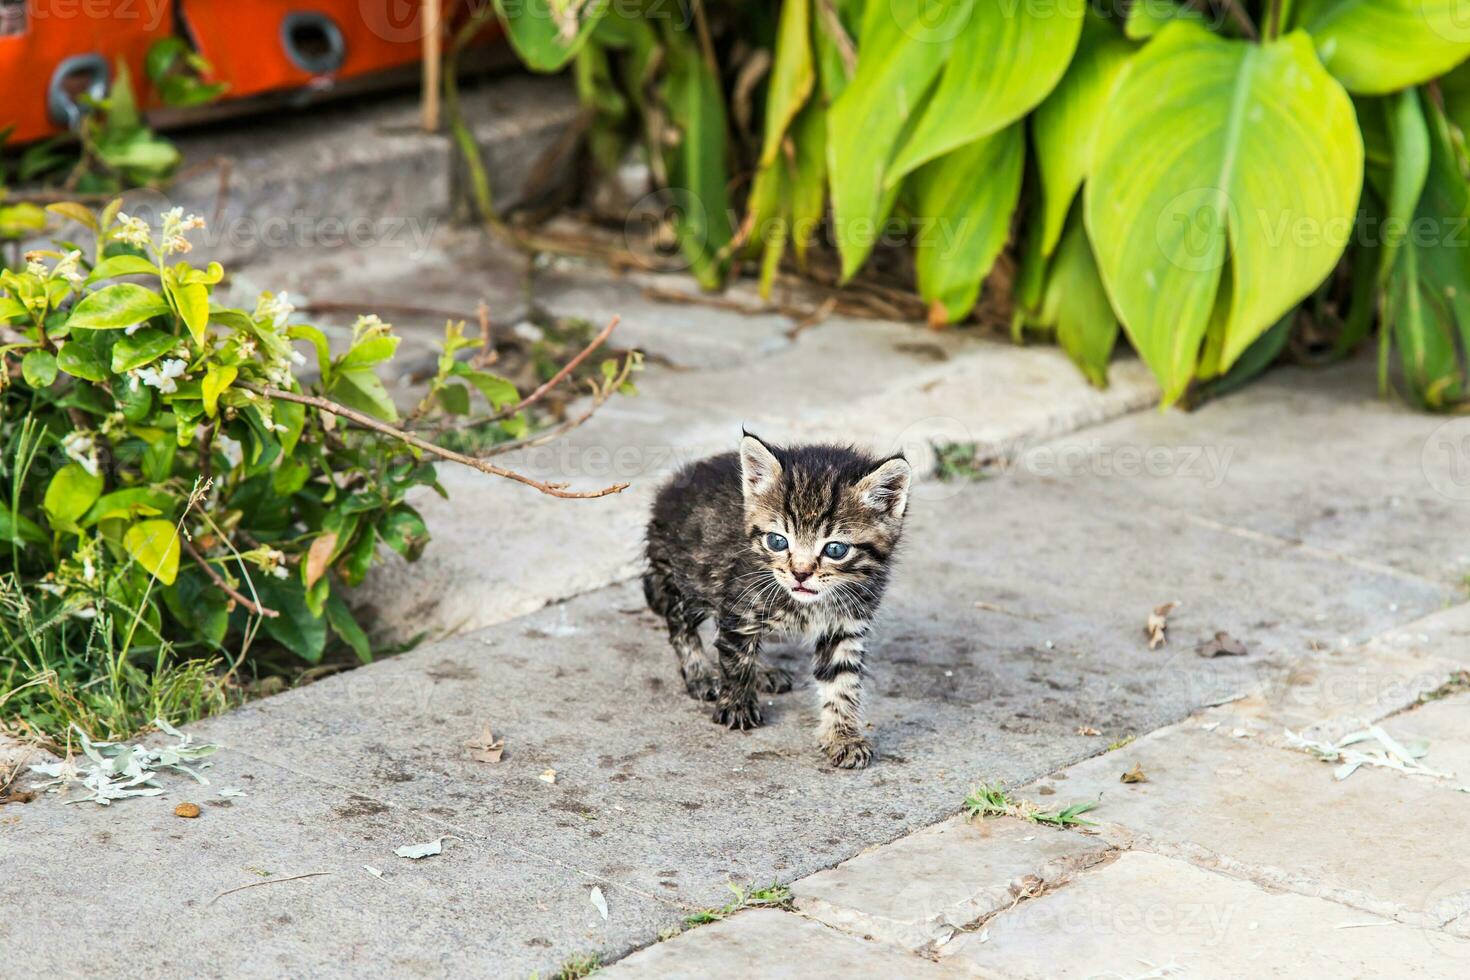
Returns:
<point x="759" y="467"/>
<point x="886" y="489"/>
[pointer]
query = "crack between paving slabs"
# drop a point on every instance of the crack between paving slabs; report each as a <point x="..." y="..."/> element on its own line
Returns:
<point x="466" y="832"/>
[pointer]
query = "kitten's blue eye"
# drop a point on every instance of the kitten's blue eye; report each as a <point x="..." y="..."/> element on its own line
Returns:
<point x="775" y="542"/>
<point x="836" y="550"/>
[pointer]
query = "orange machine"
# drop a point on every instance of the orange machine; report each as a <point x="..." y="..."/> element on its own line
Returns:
<point x="270" y="45"/>
<point x="53" y="52"/>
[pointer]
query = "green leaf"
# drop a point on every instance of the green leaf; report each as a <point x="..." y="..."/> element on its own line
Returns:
<point x="963" y="223"/>
<point x="1146" y="17"/>
<point x="122" y="265"/>
<point x="77" y="360"/>
<point x="296" y="628"/>
<point x="697" y="176"/>
<point x="374" y="350"/>
<point x="1219" y="157"/>
<point x="74" y="212"/>
<point x="19" y="220"/>
<point x="69" y="494"/>
<point x="346" y="628"/>
<point x="792" y="75"/>
<point x="143" y="347"/>
<point x="537" y="29"/>
<point x="1378" y="46"/>
<point x="290" y="475"/>
<point x="497" y="391"/>
<point x="1076" y="304"/>
<point x="193" y="303"/>
<point x="155" y="546"/>
<point x="135" y="401"/>
<point x="293" y="416"/>
<point x="132" y="502"/>
<point x="895" y="70"/>
<point x="12" y="309"/>
<point x="1004" y="60"/>
<point x="217" y="380"/>
<point x="38" y="368"/>
<point x="20" y="529"/>
<point x="404" y="531"/>
<point x="1064" y="127"/>
<point x="362" y="390"/>
<point x="455" y="399"/>
<point x="301" y="331"/>
<point x="115" y="307"/>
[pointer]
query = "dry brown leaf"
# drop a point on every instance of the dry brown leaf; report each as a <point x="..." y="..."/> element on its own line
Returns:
<point x="1222" y="644"/>
<point x="187" y="810"/>
<point x="1088" y="730"/>
<point x="1158" y="622"/>
<point x="1135" y="775"/>
<point x="318" y="555"/>
<point x="486" y="748"/>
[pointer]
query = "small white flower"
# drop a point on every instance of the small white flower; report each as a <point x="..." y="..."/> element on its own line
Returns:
<point x="135" y="328"/>
<point x="247" y="348"/>
<point x="37" y="269"/>
<point x="369" y="325"/>
<point x="89" y="570"/>
<point x="275" y="310"/>
<point x="298" y="358"/>
<point x="162" y="377"/>
<point x="79" y="445"/>
<point x="69" y="268"/>
<point x="230" y="449"/>
<point x="134" y="231"/>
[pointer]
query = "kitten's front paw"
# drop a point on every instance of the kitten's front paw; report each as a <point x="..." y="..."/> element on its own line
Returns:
<point x="849" y="753"/>
<point x="701" y="683"/>
<point x="773" y="680"/>
<point x="737" y="716"/>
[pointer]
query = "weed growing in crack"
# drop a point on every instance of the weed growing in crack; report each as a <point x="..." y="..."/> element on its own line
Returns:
<point x="992" y="800"/>
<point x="771" y="897"/>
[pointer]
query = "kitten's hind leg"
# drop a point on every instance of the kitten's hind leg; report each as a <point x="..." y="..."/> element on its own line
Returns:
<point x="701" y="679"/>
<point x="770" y="679"/>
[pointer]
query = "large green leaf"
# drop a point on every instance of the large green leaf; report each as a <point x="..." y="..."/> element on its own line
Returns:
<point x="1377" y="46"/>
<point x="547" y="33"/>
<point x="155" y="546"/>
<point x="1219" y="155"/>
<point x="117" y="306"/>
<point x="697" y="174"/>
<point x="963" y="204"/>
<point x="1064" y="127"/>
<point x="899" y="56"/>
<point x="1005" y="58"/>
<point x="297" y="628"/>
<point x="792" y="76"/>
<point x="1076" y="305"/>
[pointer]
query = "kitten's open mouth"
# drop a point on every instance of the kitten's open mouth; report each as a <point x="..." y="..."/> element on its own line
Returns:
<point x="803" y="593"/>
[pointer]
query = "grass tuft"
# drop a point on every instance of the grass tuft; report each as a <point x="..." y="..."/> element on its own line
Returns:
<point x="992" y="800"/>
<point x="771" y="897"/>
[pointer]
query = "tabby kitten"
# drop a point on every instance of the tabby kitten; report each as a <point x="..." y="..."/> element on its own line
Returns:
<point x="777" y="540"/>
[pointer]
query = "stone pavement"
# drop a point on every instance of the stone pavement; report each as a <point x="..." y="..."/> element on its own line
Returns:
<point x="1302" y="517"/>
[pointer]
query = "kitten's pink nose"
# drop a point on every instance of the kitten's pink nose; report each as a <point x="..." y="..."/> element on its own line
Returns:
<point x="800" y="574"/>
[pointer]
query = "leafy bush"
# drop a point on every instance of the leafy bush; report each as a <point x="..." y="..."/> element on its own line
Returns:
<point x="168" y="489"/>
<point x="1176" y="170"/>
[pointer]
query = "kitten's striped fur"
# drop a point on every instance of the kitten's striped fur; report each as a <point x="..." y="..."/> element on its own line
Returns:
<point x="710" y="554"/>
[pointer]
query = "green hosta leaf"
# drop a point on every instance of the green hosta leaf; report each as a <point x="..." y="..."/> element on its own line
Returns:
<point x="362" y="390"/>
<point x="77" y="360"/>
<point x="154" y="545"/>
<point x="963" y="221"/>
<point x="697" y="175"/>
<point x="122" y="265"/>
<point x="1215" y="154"/>
<point x="544" y="36"/>
<point x="296" y="628"/>
<point x="69" y="494"/>
<point x="792" y="76"/>
<point x="38" y="368"/>
<point x="1005" y="59"/>
<point x="1147" y="17"/>
<point x="114" y="307"/>
<point x="143" y="347"/>
<point x="899" y="56"/>
<point x="1377" y="46"/>
<point x="1065" y="125"/>
<point x="1076" y="304"/>
<point x="1409" y="144"/>
<point x="808" y="191"/>
<point x="131" y="503"/>
<point x="217" y="381"/>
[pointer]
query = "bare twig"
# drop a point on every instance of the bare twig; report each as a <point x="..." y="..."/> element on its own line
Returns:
<point x="566" y="369"/>
<point x="813" y="318"/>
<point x="541" y="438"/>
<point x="225" y="587"/>
<point x="487" y="355"/>
<point x="368" y="422"/>
<point x="267" y="881"/>
<point x="1242" y="20"/>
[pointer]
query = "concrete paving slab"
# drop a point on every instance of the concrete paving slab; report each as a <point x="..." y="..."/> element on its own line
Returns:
<point x="1445" y="725"/>
<point x="774" y="944"/>
<point x="1308" y="456"/>
<point x="1145" y="915"/>
<point x="135" y="870"/>
<point x="1374" y="841"/>
<point x="921" y="890"/>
